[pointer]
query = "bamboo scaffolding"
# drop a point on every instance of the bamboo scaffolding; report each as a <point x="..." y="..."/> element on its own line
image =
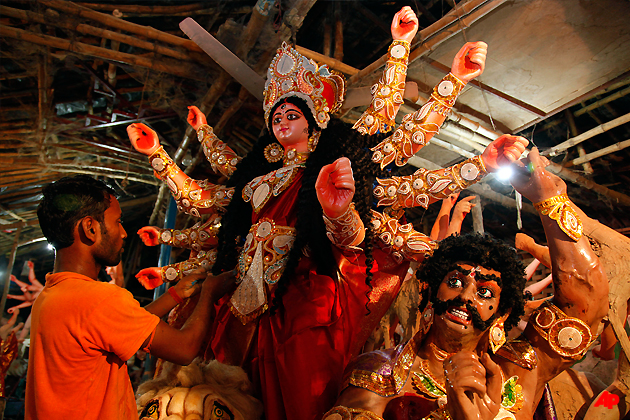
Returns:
<point x="603" y="101"/>
<point x="601" y="152"/>
<point x="184" y="70"/>
<point x="114" y="22"/>
<point x="99" y="32"/>
<point x="133" y="8"/>
<point x="588" y="169"/>
<point x="587" y="135"/>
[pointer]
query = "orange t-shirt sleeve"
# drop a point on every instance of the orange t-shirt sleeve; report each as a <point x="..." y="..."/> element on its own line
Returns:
<point x="120" y="325"/>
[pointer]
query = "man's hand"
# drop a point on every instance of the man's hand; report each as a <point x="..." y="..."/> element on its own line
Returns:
<point x="196" y="118"/>
<point x="190" y="284"/>
<point x="335" y="187"/>
<point x="149" y="235"/>
<point x="473" y="386"/>
<point x="404" y="25"/>
<point x="503" y="151"/>
<point x="470" y="61"/>
<point x="143" y="139"/>
<point x="533" y="181"/>
<point x="218" y="286"/>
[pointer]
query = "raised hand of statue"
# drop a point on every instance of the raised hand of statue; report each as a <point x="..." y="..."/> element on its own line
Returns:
<point x="404" y="25"/>
<point x="30" y="293"/>
<point x="8" y="328"/>
<point x="150" y="277"/>
<point x="149" y="235"/>
<point x="503" y="151"/>
<point x="196" y="118"/>
<point x="470" y="61"/>
<point x="143" y="139"/>
<point x="335" y="187"/>
<point x="533" y="181"/>
<point x="473" y="386"/>
<point x="464" y="206"/>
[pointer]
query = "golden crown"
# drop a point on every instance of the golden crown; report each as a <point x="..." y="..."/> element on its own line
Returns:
<point x="292" y="74"/>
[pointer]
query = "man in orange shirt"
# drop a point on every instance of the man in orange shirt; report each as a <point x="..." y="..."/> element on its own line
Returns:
<point x="84" y="330"/>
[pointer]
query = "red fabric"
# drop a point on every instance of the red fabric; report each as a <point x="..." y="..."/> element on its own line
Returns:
<point x="82" y="332"/>
<point x="296" y="357"/>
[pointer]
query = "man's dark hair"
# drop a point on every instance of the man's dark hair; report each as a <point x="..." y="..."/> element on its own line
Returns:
<point x="488" y="252"/>
<point x="67" y="201"/>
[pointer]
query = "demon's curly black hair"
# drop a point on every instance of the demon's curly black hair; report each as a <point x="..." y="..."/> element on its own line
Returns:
<point x="337" y="140"/>
<point x="487" y="252"/>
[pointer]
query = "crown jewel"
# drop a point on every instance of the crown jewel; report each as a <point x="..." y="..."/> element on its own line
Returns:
<point x="292" y="74"/>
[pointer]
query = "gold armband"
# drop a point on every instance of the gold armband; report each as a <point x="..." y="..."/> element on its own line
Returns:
<point x="445" y="94"/>
<point x="567" y="336"/>
<point x="401" y="241"/>
<point x="387" y="93"/>
<point x="346" y="230"/>
<point x="559" y="208"/>
<point x="417" y="189"/>
<point x="345" y="413"/>
<point x="162" y="163"/>
<point x="221" y="157"/>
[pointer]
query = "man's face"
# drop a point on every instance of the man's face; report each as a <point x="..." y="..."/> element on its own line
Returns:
<point x="468" y="296"/>
<point x="112" y="239"/>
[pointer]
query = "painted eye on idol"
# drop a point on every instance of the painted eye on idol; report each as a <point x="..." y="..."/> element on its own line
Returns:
<point x="485" y="293"/>
<point x="454" y="282"/>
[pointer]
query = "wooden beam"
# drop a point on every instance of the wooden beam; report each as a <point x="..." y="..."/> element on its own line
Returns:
<point x="29" y="16"/>
<point x="184" y="70"/>
<point x="599" y="153"/>
<point x="114" y="22"/>
<point x="587" y="135"/>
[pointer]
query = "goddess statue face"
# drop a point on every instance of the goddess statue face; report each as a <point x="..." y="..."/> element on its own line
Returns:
<point x="471" y="294"/>
<point x="290" y="127"/>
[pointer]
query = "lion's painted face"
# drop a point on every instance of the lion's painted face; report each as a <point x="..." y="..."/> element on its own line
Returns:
<point x="200" y="402"/>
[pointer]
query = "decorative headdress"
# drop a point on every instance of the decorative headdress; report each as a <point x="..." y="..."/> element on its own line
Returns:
<point x="292" y="74"/>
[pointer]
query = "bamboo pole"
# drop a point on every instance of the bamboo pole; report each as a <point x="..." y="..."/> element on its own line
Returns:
<point x="181" y="70"/>
<point x="134" y="8"/>
<point x="587" y="135"/>
<point x="603" y="101"/>
<point x="601" y="152"/>
<point x="114" y="22"/>
<point x="338" y="32"/>
<point x="331" y="62"/>
<point x="477" y="215"/>
<point x="448" y="146"/>
<point x="588" y="169"/>
<point x="99" y="32"/>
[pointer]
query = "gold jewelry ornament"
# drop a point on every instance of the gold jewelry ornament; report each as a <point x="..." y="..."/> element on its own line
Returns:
<point x="221" y="157"/>
<point x="345" y="230"/>
<point x="313" y="140"/>
<point x="418" y="189"/>
<point x="567" y="336"/>
<point x="291" y="157"/>
<point x="497" y="334"/>
<point x="559" y="208"/>
<point x="346" y="413"/>
<point x="438" y="353"/>
<point x="292" y="74"/>
<point x="427" y="318"/>
<point x="401" y="241"/>
<point x="387" y="93"/>
<point x="274" y="152"/>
